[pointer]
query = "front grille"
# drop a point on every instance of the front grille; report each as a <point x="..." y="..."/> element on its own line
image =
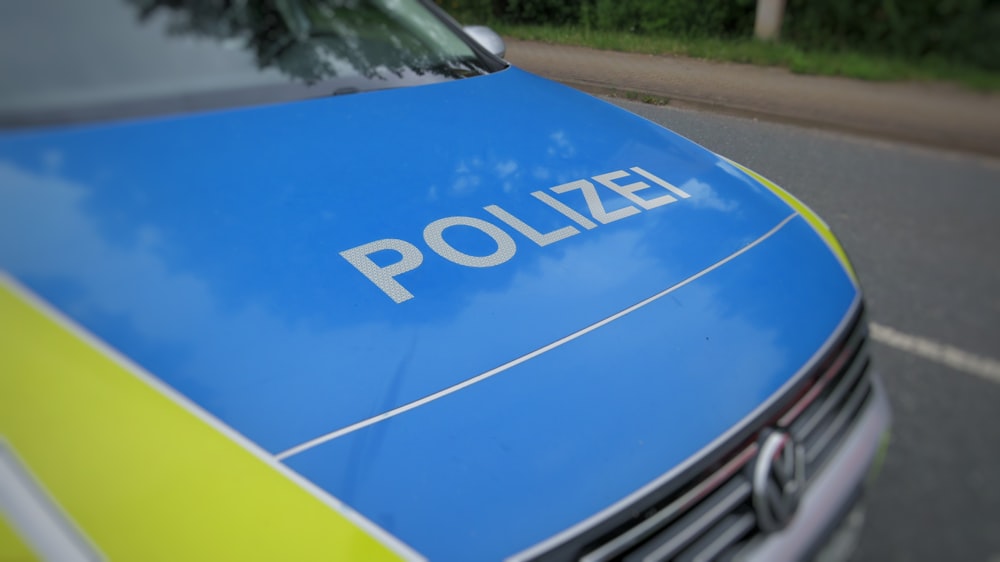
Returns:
<point x="713" y="518"/>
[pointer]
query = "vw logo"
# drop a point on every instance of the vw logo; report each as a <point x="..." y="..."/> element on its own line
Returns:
<point x="779" y="478"/>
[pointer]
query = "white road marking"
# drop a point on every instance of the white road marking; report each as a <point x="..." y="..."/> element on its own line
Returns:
<point x="947" y="355"/>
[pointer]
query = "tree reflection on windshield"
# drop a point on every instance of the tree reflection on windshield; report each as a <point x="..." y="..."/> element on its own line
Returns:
<point x="314" y="40"/>
<point x="115" y="59"/>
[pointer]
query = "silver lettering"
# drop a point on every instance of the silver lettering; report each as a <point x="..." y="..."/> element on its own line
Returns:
<point x="384" y="277"/>
<point x="434" y="236"/>
<point x="564" y="209"/>
<point x="628" y="191"/>
<point x="597" y="210"/>
<point x="531" y="233"/>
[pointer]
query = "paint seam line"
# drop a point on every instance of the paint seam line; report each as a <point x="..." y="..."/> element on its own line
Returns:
<point x="942" y="353"/>
<point x="116" y="357"/>
<point x="514" y="362"/>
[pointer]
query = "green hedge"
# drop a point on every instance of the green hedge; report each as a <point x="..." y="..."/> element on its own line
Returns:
<point x="966" y="31"/>
<point x="960" y="30"/>
<point x="688" y="17"/>
<point x="723" y="18"/>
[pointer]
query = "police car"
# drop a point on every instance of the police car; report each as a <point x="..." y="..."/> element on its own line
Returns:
<point x="289" y="280"/>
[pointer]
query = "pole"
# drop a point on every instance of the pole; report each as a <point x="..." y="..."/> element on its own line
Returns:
<point x="767" y="26"/>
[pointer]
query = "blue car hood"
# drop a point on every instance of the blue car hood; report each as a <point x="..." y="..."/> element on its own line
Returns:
<point x="392" y="293"/>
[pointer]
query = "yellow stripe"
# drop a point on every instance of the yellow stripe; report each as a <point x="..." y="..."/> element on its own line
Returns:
<point x="812" y="218"/>
<point x="12" y="548"/>
<point x="143" y="477"/>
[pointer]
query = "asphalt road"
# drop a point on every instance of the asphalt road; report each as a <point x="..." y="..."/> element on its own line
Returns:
<point x="923" y="231"/>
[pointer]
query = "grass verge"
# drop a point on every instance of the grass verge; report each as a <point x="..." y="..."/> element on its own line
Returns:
<point x="850" y="64"/>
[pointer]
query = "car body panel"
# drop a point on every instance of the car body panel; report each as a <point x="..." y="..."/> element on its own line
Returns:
<point x="206" y="249"/>
<point x="216" y="267"/>
<point x="501" y="465"/>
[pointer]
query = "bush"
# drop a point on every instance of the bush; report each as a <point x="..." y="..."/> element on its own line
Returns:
<point x="554" y="12"/>
<point x="541" y="12"/>
<point x="684" y="17"/>
<point x="469" y="12"/>
<point x="960" y="30"/>
<point x="717" y="18"/>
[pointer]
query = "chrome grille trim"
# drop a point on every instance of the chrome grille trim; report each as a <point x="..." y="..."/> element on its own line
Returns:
<point x="715" y="518"/>
<point x="847" y="352"/>
<point x="831" y="434"/>
<point x="734" y="528"/>
<point x="672" y="540"/>
<point x="804" y="427"/>
<point x="576" y="540"/>
<point x="663" y="517"/>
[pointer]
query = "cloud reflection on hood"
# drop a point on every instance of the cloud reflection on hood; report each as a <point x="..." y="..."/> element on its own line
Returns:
<point x="242" y="359"/>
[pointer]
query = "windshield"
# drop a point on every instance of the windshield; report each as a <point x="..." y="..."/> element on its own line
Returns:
<point x="67" y="60"/>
